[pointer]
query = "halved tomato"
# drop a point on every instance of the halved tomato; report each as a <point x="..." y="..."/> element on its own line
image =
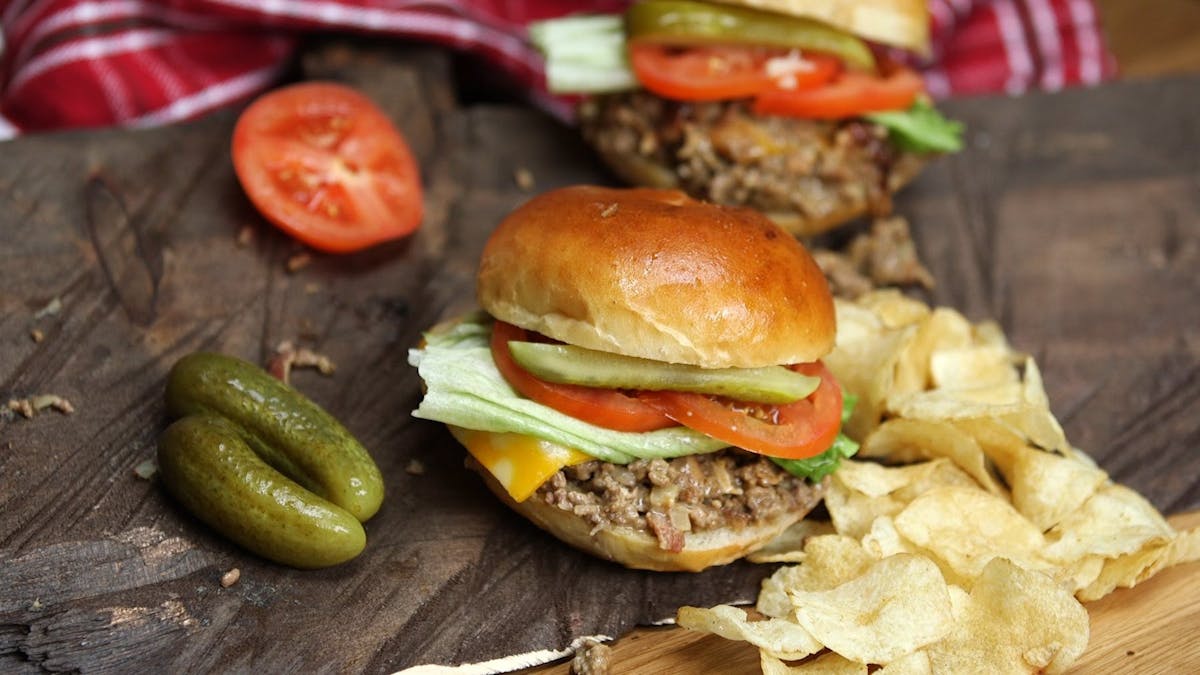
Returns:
<point x="851" y="93"/>
<point x="608" y="408"/>
<point x="725" y="72"/>
<point x="322" y="162"/>
<point x="797" y="430"/>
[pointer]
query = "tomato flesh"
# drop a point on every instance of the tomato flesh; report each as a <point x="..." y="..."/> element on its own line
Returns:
<point x="720" y="72"/>
<point x="608" y="408"/>
<point x="797" y="430"/>
<point x="852" y="93"/>
<point x="325" y="164"/>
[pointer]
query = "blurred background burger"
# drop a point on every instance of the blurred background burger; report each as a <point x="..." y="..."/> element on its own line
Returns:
<point x="803" y="109"/>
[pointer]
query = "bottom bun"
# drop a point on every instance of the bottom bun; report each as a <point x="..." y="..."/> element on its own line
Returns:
<point x="640" y="550"/>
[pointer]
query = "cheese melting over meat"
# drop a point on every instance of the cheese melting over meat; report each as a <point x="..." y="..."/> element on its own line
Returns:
<point x="518" y="462"/>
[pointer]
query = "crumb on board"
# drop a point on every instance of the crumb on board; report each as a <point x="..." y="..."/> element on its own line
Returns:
<point x="146" y="470"/>
<point x="312" y="288"/>
<point x="298" y="262"/>
<point x="37" y="335"/>
<point x="245" y="236"/>
<point x="52" y="308"/>
<point x="592" y="658"/>
<point x="523" y="178"/>
<point x="28" y="407"/>
<point x="415" y="467"/>
<point x="231" y="577"/>
<point x="288" y="356"/>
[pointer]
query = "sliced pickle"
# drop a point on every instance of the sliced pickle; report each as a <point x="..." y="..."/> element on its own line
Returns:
<point x="685" y="23"/>
<point x="567" y="364"/>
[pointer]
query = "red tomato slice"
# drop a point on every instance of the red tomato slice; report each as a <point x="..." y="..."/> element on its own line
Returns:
<point x="852" y="93"/>
<point x="608" y="408"/>
<point x="719" y="73"/>
<point x="797" y="430"/>
<point x="323" y="163"/>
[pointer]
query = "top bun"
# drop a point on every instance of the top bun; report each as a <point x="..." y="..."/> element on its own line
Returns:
<point x="656" y="274"/>
<point x="900" y="23"/>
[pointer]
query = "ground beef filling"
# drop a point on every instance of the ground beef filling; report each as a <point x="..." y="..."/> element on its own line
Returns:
<point x="722" y="152"/>
<point x="669" y="497"/>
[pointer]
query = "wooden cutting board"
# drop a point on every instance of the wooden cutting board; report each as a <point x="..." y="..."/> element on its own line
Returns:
<point x="1148" y="628"/>
<point x="1071" y="219"/>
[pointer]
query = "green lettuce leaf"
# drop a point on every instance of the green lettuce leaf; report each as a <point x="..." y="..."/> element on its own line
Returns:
<point x="921" y="128"/>
<point x="464" y="388"/>
<point x="584" y="54"/>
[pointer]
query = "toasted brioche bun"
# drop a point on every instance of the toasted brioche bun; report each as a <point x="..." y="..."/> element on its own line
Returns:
<point x="639" y="550"/>
<point x="658" y="275"/>
<point x="900" y="23"/>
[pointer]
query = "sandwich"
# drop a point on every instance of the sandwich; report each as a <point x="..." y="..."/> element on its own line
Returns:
<point x="799" y="108"/>
<point x="643" y="377"/>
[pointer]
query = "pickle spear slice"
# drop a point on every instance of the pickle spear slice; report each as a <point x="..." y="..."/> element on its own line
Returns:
<point x="686" y="23"/>
<point x="567" y="364"/>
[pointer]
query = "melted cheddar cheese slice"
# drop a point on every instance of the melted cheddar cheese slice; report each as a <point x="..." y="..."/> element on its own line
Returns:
<point x="518" y="462"/>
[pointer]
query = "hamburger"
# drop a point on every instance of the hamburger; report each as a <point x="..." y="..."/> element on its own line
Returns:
<point x="643" y="380"/>
<point x="799" y="108"/>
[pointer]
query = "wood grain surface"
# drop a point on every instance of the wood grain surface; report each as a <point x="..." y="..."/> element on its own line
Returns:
<point x="1072" y="219"/>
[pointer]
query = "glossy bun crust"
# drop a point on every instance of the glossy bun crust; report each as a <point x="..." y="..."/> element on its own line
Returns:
<point x="656" y="274"/>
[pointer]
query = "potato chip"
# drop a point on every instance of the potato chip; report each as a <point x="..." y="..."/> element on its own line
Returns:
<point x="971" y="367"/>
<point x="829" y="560"/>
<point x="905" y="440"/>
<point x="1036" y="421"/>
<point x="864" y="362"/>
<point x="789" y="545"/>
<point x="965" y="528"/>
<point x="780" y="638"/>
<point x="1015" y="621"/>
<point x="861" y="492"/>
<point x="1081" y="573"/>
<point x="1045" y="486"/>
<point x="829" y="663"/>
<point x="1186" y="546"/>
<point x="852" y="512"/>
<point x="952" y="404"/>
<point x="989" y="333"/>
<point x="1131" y="569"/>
<point x="773" y="600"/>
<point x="916" y="663"/>
<point x="884" y="539"/>
<point x="894" y="308"/>
<point x="942" y="329"/>
<point x="940" y="472"/>
<point x="984" y="470"/>
<point x="1114" y="521"/>
<point x="834" y="559"/>
<point x="898" y="606"/>
<point x="1125" y="571"/>
<point x="872" y="480"/>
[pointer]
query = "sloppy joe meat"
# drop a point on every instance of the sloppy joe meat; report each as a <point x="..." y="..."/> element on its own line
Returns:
<point x="668" y="497"/>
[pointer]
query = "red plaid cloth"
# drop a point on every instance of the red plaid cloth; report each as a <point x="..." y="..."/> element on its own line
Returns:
<point x="89" y="63"/>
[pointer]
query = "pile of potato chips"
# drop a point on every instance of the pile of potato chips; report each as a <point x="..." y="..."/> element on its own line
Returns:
<point x="967" y="533"/>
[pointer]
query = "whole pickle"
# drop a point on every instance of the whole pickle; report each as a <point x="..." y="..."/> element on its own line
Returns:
<point x="208" y="467"/>
<point x="286" y="429"/>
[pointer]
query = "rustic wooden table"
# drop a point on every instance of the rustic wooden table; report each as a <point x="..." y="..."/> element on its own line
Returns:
<point x="1073" y="219"/>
